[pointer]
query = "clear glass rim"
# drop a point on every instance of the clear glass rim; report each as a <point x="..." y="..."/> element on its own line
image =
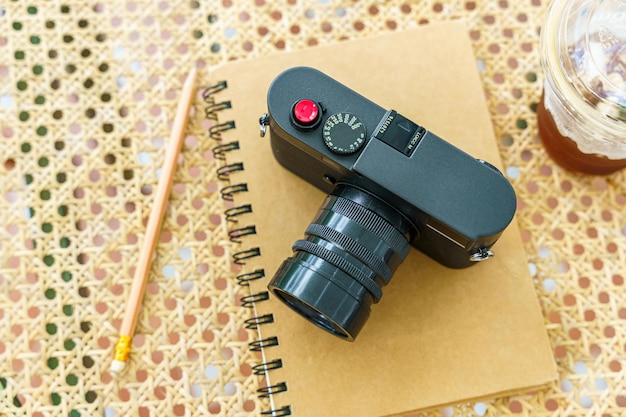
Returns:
<point x="574" y="91"/>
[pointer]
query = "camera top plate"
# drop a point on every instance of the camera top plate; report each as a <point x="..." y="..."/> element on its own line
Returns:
<point x="431" y="182"/>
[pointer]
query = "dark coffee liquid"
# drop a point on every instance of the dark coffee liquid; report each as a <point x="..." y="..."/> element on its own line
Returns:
<point x="565" y="152"/>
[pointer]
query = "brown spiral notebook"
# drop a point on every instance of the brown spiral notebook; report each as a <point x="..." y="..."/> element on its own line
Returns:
<point x="438" y="336"/>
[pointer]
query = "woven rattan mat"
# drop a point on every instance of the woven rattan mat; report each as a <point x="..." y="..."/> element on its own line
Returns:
<point x="87" y="94"/>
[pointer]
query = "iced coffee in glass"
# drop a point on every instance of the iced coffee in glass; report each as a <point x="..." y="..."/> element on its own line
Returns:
<point x="582" y="114"/>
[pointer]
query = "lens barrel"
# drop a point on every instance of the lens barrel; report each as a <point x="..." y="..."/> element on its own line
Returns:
<point x="350" y="251"/>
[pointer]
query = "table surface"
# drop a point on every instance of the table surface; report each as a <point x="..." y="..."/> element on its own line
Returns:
<point x="87" y="95"/>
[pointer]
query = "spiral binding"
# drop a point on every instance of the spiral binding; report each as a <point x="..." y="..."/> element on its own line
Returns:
<point x="237" y="234"/>
<point x="223" y="173"/>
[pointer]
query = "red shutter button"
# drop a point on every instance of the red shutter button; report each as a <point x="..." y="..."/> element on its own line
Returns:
<point x="305" y="114"/>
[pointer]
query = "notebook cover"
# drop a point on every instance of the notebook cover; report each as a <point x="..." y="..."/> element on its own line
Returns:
<point x="438" y="336"/>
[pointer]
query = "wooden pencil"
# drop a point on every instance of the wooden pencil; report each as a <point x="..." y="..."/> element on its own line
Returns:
<point x="129" y="322"/>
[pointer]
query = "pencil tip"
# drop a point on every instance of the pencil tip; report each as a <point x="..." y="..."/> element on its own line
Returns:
<point x="117" y="366"/>
<point x="193" y="71"/>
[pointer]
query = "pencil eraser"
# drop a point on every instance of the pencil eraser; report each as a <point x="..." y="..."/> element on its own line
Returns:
<point x="117" y="366"/>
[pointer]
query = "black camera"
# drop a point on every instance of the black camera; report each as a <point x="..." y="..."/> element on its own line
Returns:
<point x="392" y="184"/>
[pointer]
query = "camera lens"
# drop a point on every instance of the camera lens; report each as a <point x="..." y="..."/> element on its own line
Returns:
<point x="349" y="252"/>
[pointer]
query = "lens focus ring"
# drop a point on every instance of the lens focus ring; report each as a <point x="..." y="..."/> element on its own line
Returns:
<point x="354" y="247"/>
<point x="372" y="222"/>
<point x="343" y="262"/>
<point x="369" y="242"/>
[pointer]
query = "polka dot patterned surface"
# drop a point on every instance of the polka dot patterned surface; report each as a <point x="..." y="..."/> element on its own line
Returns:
<point x="88" y="91"/>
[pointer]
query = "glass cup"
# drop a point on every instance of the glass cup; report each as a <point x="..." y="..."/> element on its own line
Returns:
<point x="582" y="113"/>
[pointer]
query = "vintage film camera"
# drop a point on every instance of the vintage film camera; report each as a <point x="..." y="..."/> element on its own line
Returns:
<point x="391" y="184"/>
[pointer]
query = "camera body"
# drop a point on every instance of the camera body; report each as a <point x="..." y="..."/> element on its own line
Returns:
<point x="457" y="205"/>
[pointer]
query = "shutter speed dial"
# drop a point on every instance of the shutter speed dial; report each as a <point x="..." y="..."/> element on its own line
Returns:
<point x="344" y="133"/>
